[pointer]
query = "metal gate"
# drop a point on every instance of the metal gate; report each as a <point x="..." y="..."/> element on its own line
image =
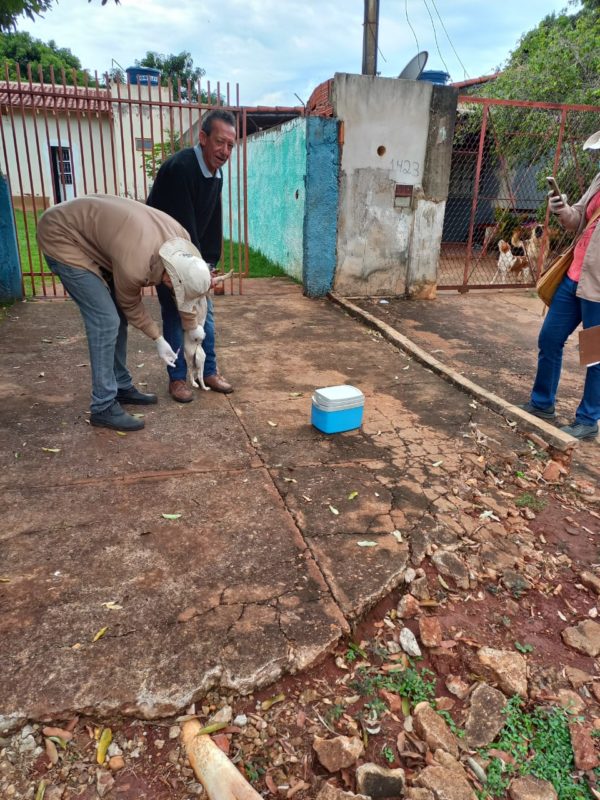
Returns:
<point x="497" y="227"/>
<point x="60" y="140"/>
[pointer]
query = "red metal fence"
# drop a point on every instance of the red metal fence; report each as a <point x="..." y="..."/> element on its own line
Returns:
<point x="60" y="140"/>
<point x="497" y="228"/>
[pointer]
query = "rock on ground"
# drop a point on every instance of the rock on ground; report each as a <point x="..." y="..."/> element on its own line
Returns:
<point x="485" y="718"/>
<point x="338" y="753"/>
<point x="329" y="792"/>
<point x="508" y="669"/>
<point x="585" y="637"/>
<point x="584" y="748"/>
<point x="433" y="730"/>
<point x="530" y="788"/>
<point x="375" y="781"/>
<point x="446" y="784"/>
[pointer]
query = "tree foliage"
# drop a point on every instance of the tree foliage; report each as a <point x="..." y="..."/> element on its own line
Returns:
<point x="24" y="50"/>
<point x="176" y="66"/>
<point x="556" y="62"/>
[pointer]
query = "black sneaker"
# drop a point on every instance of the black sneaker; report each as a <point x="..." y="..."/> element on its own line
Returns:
<point x="581" y="431"/>
<point x="114" y="417"/>
<point x="135" y="397"/>
<point x="543" y="413"/>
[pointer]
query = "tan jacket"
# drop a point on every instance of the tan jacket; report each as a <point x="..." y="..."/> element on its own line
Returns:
<point x="121" y="236"/>
<point x="573" y="219"/>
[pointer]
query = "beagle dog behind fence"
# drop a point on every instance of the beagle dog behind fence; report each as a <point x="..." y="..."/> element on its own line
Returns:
<point x="516" y="259"/>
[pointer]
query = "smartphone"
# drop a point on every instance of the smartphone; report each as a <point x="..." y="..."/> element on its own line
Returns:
<point x="554" y="186"/>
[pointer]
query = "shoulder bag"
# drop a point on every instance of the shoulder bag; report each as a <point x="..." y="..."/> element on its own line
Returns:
<point x="551" y="278"/>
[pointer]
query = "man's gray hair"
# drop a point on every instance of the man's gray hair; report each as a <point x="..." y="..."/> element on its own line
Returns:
<point x="217" y="113"/>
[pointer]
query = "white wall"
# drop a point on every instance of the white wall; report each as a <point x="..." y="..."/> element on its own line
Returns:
<point x="385" y="130"/>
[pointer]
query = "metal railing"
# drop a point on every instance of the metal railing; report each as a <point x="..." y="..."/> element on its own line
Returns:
<point x="61" y="140"/>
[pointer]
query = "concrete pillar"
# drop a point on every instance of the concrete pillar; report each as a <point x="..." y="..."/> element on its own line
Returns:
<point x="10" y="265"/>
<point x="429" y="201"/>
<point x="320" y="212"/>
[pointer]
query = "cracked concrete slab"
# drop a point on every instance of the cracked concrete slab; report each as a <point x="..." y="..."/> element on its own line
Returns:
<point x="269" y="579"/>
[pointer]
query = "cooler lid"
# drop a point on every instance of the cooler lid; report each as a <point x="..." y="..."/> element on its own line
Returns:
<point x="333" y="398"/>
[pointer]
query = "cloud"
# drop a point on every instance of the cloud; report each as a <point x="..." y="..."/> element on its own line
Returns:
<point x="277" y="49"/>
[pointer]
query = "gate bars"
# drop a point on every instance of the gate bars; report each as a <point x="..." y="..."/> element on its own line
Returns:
<point x="61" y="140"/>
<point x="502" y="152"/>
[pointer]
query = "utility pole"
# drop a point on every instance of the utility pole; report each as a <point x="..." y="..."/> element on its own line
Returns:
<point x="370" y="37"/>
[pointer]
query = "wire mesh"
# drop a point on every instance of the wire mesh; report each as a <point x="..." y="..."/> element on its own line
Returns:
<point x="497" y="227"/>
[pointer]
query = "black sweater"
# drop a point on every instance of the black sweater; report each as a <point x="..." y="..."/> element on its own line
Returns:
<point x="181" y="190"/>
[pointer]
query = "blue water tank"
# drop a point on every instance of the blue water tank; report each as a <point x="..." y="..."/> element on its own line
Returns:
<point x="143" y="76"/>
<point x="434" y="76"/>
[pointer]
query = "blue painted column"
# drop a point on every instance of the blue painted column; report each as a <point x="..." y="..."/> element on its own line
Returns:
<point x="10" y="265"/>
<point x="321" y="205"/>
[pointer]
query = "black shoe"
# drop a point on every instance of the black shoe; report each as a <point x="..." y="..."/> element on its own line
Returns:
<point x="135" y="397"/>
<point x="581" y="431"/>
<point x="543" y="413"/>
<point x="114" y="417"/>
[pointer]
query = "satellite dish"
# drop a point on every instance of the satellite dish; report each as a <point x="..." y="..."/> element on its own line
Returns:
<point x="415" y="67"/>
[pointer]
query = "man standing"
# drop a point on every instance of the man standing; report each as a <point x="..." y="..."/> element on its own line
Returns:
<point x="105" y="250"/>
<point x="188" y="188"/>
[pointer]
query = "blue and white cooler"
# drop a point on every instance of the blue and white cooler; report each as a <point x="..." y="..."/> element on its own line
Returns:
<point x="337" y="408"/>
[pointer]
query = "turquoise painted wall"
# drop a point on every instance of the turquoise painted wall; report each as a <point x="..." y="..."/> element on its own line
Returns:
<point x="293" y="199"/>
<point x="10" y="266"/>
<point x="276" y="194"/>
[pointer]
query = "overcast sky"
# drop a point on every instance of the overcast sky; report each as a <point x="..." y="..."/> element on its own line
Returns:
<point x="276" y="49"/>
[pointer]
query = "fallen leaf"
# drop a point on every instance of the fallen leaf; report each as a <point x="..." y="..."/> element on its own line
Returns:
<point x="112" y="606"/>
<point x="100" y="634"/>
<point x="307" y="498"/>
<point x="334" y="510"/>
<point x="562" y="616"/>
<point x="171" y="516"/>
<point x="366" y="543"/>
<point x="271" y="785"/>
<point x="272" y="424"/>
<point x="443" y="583"/>
<point x="296" y="394"/>
<point x="103" y="745"/>
<point x="266" y="704"/>
<point x="397" y="536"/>
<point x="47" y="341"/>
<point x="4" y="580"/>
<point x="437" y="463"/>
<point x="139" y="366"/>
<point x="51" y="751"/>
<point x="255" y="439"/>
<point x="61" y="733"/>
<point x="42" y="375"/>
<point x="41" y="790"/>
<point x="352" y="495"/>
<point x="51" y="449"/>
<point x="120" y="433"/>
<point x="290" y="480"/>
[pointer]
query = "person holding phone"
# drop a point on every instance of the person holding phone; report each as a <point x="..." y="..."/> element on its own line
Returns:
<point x="577" y="300"/>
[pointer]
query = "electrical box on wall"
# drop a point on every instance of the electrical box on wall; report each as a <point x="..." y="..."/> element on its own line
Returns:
<point x="403" y="195"/>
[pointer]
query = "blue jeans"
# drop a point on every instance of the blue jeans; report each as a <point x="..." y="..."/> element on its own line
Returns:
<point x="564" y="315"/>
<point x="106" y="328"/>
<point x="173" y="333"/>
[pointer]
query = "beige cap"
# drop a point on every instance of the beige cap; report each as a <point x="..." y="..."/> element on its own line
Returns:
<point x="188" y="271"/>
<point x="593" y="143"/>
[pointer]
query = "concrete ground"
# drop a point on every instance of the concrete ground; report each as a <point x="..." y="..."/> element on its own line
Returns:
<point x="285" y="535"/>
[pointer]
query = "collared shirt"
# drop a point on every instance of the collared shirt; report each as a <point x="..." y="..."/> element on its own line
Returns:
<point x="205" y="170"/>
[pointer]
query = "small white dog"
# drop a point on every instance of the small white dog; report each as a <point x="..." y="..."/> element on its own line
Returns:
<point x="192" y="340"/>
<point x="505" y="261"/>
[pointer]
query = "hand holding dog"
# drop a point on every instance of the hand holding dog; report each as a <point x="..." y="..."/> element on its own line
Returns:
<point x="166" y="352"/>
<point x="556" y="203"/>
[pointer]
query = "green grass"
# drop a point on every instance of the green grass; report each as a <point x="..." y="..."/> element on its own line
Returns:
<point x="33" y="284"/>
<point x="259" y="265"/>
<point x="528" y="500"/>
<point x="540" y="744"/>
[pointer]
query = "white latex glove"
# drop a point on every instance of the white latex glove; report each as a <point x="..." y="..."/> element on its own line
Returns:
<point x="556" y="203"/>
<point x="166" y="352"/>
<point x="196" y="334"/>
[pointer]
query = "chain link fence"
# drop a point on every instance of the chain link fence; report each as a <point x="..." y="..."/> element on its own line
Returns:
<point x="497" y="228"/>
